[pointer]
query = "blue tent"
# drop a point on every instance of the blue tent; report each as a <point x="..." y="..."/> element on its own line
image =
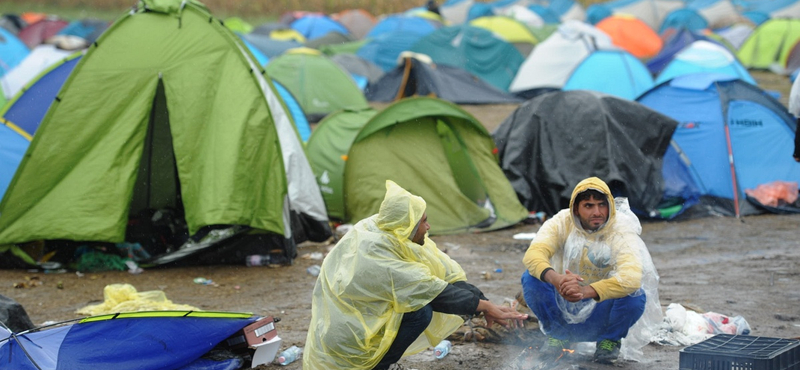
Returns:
<point x="474" y="49"/>
<point x="135" y="340"/>
<point x="27" y="109"/>
<point x="548" y="15"/>
<point x="299" y="117"/>
<point x="735" y="136"/>
<point x="704" y="56"/>
<point x="603" y="71"/>
<point x="401" y="23"/>
<point x="674" y="44"/>
<point x="12" y="51"/>
<point x="13" y="144"/>
<point x="684" y="18"/>
<point x="385" y="49"/>
<point x="315" y="26"/>
<point x="87" y="29"/>
<point x="268" y="46"/>
<point x="260" y="57"/>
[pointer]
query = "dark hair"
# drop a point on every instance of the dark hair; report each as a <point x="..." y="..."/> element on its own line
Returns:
<point x="589" y="193"/>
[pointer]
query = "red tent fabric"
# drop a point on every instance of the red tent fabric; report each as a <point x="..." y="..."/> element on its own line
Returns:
<point x="36" y="33"/>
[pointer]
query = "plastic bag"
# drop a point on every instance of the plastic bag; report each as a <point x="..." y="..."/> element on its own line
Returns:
<point x="774" y="193"/>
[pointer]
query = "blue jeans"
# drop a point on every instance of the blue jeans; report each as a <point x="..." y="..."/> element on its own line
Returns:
<point x="411" y="327"/>
<point x="610" y="319"/>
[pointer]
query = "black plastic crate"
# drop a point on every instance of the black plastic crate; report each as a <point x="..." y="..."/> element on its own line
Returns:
<point x="741" y="352"/>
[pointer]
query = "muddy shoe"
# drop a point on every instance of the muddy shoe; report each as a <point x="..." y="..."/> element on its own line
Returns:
<point x="553" y="348"/>
<point x="607" y="351"/>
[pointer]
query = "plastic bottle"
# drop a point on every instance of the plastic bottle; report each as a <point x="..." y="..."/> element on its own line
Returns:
<point x="289" y="355"/>
<point x="257" y="260"/>
<point x="442" y="349"/>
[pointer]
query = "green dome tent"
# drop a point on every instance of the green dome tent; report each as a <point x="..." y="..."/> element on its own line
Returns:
<point x="428" y="146"/>
<point x="770" y="43"/>
<point x="166" y="110"/>
<point x="319" y="84"/>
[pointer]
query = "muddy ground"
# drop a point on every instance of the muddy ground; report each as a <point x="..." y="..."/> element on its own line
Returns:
<point x="748" y="267"/>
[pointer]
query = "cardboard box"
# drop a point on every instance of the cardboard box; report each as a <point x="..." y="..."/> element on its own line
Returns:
<point x="256" y="333"/>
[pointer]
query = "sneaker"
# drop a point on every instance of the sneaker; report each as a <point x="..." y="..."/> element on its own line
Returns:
<point x="607" y="351"/>
<point x="553" y="348"/>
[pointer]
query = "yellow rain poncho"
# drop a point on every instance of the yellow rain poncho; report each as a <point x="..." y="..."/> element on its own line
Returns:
<point x="373" y="276"/>
<point x="613" y="260"/>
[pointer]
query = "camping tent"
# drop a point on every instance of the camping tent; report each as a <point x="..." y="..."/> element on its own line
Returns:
<point x="357" y="21"/>
<point x="704" y="56"/>
<point x="651" y="12"/>
<point x="474" y="49"/>
<point x="318" y="84"/>
<point x="631" y="34"/>
<point x="13" y="144"/>
<point x="769" y="44"/>
<point x="12" y="51"/>
<point x="735" y="135"/>
<point x="568" y="59"/>
<point x="510" y="30"/>
<point x="29" y="106"/>
<point x="39" y="59"/>
<point x="430" y="147"/>
<point x="314" y="26"/>
<point x="553" y="141"/>
<point x="142" y="126"/>
<point x="414" y="77"/>
<point x="38" y="32"/>
<point x="123" y="341"/>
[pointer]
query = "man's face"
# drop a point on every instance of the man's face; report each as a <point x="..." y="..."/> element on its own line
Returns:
<point x="593" y="213"/>
<point x="419" y="237"/>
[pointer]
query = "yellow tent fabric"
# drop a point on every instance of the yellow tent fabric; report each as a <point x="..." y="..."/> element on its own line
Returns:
<point x="508" y="28"/>
<point x="125" y="298"/>
<point x="369" y="279"/>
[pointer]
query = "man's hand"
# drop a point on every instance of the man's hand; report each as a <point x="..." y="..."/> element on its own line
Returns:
<point x="568" y="286"/>
<point x="503" y="315"/>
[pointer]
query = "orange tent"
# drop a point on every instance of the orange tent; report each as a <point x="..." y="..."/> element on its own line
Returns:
<point x="631" y="34"/>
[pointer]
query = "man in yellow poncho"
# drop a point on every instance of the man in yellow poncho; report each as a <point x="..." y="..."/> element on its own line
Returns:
<point x="590" y="278"/>
<point x="386" y="290"/>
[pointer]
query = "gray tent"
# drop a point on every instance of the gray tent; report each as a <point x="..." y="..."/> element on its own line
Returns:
<point x="557" y="139"/>
<point x="414" y="77"/>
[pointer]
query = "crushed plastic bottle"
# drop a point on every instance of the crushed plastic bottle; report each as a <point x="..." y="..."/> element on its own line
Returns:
<point x="442" y="349"/>
<point x="313" y="270"/>
<point x="289" y="355"/>
<point x="257" y="260"/>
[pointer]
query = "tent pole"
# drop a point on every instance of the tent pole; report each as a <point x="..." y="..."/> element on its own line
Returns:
<point x="733" y="170"/>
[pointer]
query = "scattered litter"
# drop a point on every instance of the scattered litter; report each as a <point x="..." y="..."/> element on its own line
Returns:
<point x="498" y="270"/>
<point x="442" y="349"/>
<point x="313" y="270"/>
<point x="524" y="236"/>
<point x="133" y="268"/>
<point x="289" y="355"/>
<point x="125" y="298"/>
<point x="486" y="275"/>
<point x="682" y="327"/>
<point x="342" y="229"/>
<point x="203" y="281"/>
<point x="30" y="282"/>
<point x="313" y="256"/>
<point x="452" y="246"/>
